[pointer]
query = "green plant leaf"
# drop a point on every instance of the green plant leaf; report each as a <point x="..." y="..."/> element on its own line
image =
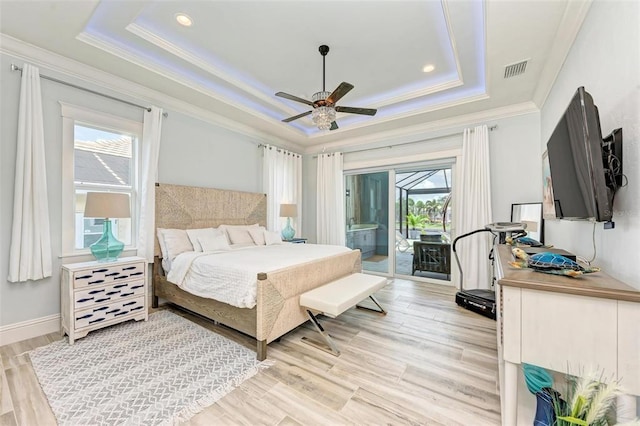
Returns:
<point x="573" y="420"/>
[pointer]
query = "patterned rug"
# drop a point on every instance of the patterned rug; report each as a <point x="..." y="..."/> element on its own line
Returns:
<point x="141" y="373"/>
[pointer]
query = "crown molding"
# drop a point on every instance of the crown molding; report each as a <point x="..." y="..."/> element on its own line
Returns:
<point x="574" y="15"/>
<point x="418" y="132"/>
<point x="128" y="89"/>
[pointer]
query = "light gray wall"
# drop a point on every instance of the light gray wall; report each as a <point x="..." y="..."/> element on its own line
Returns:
<point x="193" y="152"/>
<point x="516" y="170"/>
<point x="605" y="59"/>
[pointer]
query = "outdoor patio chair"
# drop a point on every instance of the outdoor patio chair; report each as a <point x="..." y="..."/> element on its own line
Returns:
<point x="402" y="245"/>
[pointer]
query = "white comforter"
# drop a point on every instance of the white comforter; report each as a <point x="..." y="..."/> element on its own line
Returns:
<point x="231" y="276"/>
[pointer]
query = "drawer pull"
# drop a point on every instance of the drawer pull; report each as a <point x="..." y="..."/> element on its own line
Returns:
<point x="104" y="299"/>
<point x="95" y="282"/>
<point x="136" y="273"/>
<point x="136" y="309"/>
<point x="96" y="291"/>
<point x="83" y="277"/>
<point x="84" y="317"/>
<point x="136" y="286"/>
<point x="113" y="311"/>
<point x="120" y="285"/>
<point x="126" y="294"/>
<point x="112" y="292"/>
<point x="121" y="277"/>
<point x="113" y="274"/>
<point x="129" y="303"/>
<point x="128" y="268"/>
<point x="102" y="308"/>
<point x="86" y="299"/>
<point x="96" y="320"/>
<point x="121" y="313"/>
<point x="101" y="270"/>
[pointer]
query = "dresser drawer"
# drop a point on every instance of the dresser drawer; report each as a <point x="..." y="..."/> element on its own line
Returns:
<point x="104" y="313"/>
<point x="92" y="296"/>
<point x="101" y="275"/>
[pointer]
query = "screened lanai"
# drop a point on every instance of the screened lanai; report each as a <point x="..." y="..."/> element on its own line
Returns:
<point x="421" y="193"/>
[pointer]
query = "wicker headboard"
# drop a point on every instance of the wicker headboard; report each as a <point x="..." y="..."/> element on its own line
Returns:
<point x="188" y="207"/>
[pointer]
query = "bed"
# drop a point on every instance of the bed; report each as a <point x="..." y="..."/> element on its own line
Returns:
<point x="277" y="310"/>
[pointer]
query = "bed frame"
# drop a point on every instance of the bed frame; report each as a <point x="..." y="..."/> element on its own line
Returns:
<point x="277" y="309"/>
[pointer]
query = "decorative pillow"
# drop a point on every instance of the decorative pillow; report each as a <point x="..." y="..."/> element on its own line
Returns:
<point x="258" y="235"/>
<point x="225" y="229"/>
<point x="172" y="243"/>
<point x="271" y="238"/>
<point x="239" y="236"/>
<point x="195" y="234"/>
<point x="214" y="242"/>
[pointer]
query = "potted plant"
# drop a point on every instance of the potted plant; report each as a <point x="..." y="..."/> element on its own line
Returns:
<point x="414" y="222"/>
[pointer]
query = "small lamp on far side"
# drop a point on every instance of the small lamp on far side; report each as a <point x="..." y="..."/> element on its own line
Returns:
<point x="288" y="211"/>
<point x="107" y="205"/>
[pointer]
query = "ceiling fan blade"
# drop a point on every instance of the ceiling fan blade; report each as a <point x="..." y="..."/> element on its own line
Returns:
<point x="294" y="98"/>
<point x="351" y="110"/>
<point x="295" y="117"/>
<point x="334" y="125"/>
<point x="340" y="91"/>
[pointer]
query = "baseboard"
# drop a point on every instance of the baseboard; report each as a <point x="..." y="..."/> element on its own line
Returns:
<point x="27" y="329"/>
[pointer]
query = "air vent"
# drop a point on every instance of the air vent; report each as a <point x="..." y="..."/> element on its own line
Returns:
<point x="515" y="69"/>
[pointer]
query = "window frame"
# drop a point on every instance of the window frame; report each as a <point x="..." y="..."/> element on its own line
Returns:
<point x="72" y="115"/>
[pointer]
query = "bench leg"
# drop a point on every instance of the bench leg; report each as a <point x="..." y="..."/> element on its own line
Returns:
<point x="381" y="310"/>
<point x="332" y="348"/>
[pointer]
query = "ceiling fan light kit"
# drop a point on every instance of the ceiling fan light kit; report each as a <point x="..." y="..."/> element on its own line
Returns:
<point x="324" y="110"/>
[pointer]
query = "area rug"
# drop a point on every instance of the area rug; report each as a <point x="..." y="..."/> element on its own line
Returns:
<point x="157" y="372"/>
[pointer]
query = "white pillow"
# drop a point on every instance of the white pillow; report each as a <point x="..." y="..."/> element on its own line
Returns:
<point x="239" y="236"/>
<point x="272" y="238"/>
<point x="174" y="241"/>
<point x="195" y="234"/>
<point x="225" y="229"/>
<point x="214" y="242"/>
<point x="258" y="236"/>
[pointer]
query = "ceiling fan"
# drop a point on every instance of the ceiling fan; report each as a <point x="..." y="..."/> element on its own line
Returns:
<point x="324" y="106"/>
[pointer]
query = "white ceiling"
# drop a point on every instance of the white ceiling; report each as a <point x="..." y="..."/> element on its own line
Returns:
<point x="238" y="54"/>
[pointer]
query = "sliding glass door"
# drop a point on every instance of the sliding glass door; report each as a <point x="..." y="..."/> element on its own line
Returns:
<point x="367" y="218"/>
<point x="423" y="222"/>
<point x="406" y="234"/>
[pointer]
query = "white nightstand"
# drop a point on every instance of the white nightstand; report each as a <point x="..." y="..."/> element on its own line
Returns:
<point x="99" y="294"/>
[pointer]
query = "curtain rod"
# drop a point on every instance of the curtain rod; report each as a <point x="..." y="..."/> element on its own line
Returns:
<point x="491" y="129"/>
<point x="14" y="67"/>
<point x="264" y="145"/>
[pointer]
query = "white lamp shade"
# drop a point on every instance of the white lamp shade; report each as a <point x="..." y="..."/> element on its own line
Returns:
<point x="288" y="210"/>
<point x="107" y="205"/>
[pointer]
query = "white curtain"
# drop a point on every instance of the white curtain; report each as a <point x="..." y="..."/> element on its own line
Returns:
<point x="30" y="251"/>
<point x="473" y="208"/>
<point x="282" y="182"/>
<point x="330" y="221"/>
<point x="150" y="149"/>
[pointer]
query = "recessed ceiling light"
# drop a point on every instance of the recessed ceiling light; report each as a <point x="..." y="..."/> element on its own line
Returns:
<point x="183" y="19"/>
<point x="428" y="68"/>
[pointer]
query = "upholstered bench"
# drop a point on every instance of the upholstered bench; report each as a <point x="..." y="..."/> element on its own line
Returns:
<point x="334" y="298"/>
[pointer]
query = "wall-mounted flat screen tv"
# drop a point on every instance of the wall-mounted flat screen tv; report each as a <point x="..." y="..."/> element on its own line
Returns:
<point x="585" y="170"/>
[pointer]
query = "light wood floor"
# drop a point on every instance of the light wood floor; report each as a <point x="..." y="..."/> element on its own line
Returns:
<point x="426" y="362"/>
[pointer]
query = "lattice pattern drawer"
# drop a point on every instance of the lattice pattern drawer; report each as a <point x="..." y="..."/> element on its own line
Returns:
<point x="107" y="274"/>
<point x="105" y="313"/>
<point x="111" y="293"/>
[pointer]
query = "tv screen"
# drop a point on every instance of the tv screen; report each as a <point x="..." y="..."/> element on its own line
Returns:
<point x="576" y="163"/>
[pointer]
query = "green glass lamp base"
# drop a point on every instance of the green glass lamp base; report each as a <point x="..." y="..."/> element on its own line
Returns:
<point x="107" y="248"/>
<point x="288" y="232"/>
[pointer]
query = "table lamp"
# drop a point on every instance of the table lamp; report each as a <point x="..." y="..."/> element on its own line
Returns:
<point x="288" y="211"/>
<point x="107" y="205"/>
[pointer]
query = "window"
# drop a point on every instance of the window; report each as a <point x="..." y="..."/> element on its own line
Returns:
<point x="100" y="153"/>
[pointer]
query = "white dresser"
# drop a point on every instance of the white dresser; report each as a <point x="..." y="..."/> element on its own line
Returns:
<point x="567" y="325"/>
<point x="99" y="294"/>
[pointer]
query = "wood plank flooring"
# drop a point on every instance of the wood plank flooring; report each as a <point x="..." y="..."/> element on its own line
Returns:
<point x="427" y="362"/>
